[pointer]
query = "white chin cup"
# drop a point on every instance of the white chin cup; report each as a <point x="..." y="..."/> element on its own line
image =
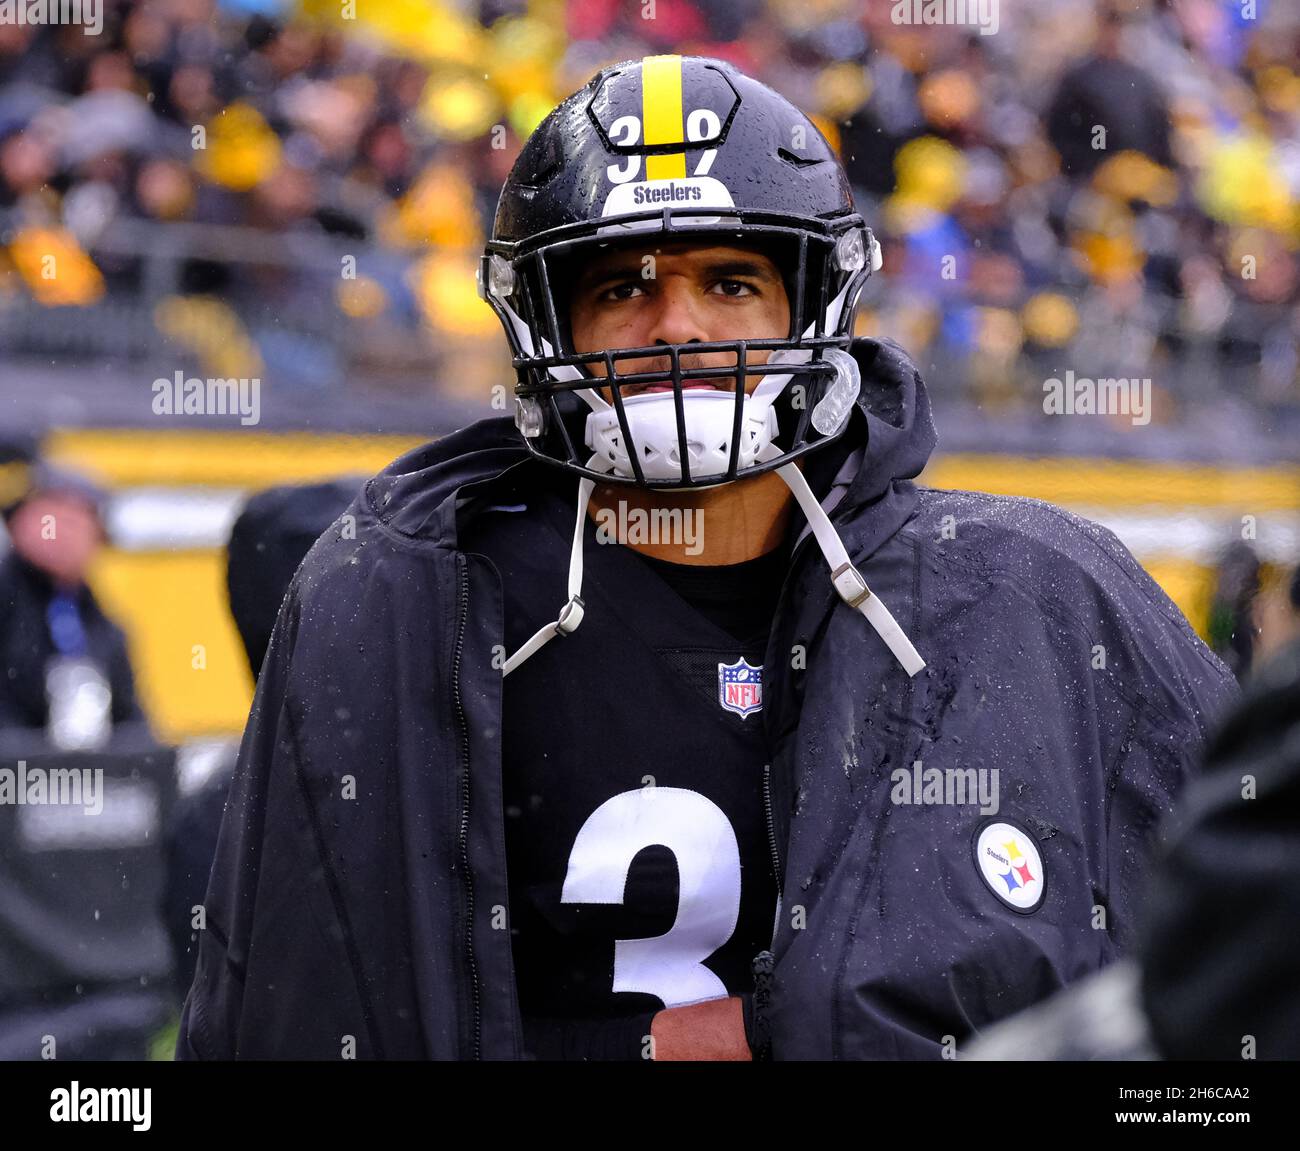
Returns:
<point x="708" y="415"/>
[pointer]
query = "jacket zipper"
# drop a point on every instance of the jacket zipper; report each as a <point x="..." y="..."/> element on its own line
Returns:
<point x="771" y="829"/>
<point x="462" y="580"/>
<point x="761" y="966"/>
<point x="762" y="963"/>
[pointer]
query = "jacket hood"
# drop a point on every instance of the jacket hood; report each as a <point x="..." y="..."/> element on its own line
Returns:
<point x="888" y="441"/>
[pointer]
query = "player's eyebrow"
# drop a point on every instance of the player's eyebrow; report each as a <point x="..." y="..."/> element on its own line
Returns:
<point x="592" y="280"/>
<point x="721" y="269"/>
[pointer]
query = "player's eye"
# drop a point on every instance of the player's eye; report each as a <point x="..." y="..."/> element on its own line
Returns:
<point x="735" y="288"/>
<point x="621" y="291"/>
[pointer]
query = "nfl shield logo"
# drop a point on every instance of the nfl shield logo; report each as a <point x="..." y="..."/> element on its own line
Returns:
<point x="740" y="686"/>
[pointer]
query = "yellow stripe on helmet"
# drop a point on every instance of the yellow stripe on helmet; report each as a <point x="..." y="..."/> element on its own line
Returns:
<point x="661" y="113"/>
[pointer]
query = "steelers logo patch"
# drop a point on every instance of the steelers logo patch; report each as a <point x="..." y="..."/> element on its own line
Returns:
<point x="1008" y="860"/>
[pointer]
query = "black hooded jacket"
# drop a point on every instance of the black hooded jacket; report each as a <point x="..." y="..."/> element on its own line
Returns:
<point x="351" y="910"/>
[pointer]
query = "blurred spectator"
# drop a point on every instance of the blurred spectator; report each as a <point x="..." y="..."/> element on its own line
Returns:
<point x="1105" y="91"/>
<point x="1254" y="608"/>
<point x="1236" y="586"/>
<point x="60" y="655"/>
<point x="1276" y="611"/>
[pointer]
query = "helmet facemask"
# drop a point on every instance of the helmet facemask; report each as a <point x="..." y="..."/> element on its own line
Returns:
<point x="684" y="438"/>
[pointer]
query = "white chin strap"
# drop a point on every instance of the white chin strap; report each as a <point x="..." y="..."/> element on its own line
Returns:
<point x="571" y="613"/>
<point x="847" y="579"/>
<point x="848" y="582"/>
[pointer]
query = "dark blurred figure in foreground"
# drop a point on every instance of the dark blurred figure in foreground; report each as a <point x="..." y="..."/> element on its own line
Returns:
<point x="1218" y="973"/>
<point x="1220" y="965"/>
<point x="64" y="665"/>
<point x="267" y="543"/>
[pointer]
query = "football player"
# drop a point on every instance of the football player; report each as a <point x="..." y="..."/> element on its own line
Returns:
<point x="800" y="760"/>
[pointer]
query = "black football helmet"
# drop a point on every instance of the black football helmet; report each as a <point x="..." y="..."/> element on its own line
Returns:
<point x="678" y="147"/>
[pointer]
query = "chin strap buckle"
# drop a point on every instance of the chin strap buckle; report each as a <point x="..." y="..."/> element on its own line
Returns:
<point x="570" y="616"/>
<point x="850" y="584"/>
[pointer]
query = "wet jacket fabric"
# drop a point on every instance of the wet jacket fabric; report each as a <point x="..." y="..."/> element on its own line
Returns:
<point x="352" y="909"/>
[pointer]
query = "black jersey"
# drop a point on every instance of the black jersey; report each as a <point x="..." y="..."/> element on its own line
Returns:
<point x="639" y="872"/>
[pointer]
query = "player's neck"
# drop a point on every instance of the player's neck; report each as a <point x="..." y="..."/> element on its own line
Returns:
<point x="726" y="525"/>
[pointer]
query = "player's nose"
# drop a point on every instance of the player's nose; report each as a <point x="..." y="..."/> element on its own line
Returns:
<point x="675" y="317"/>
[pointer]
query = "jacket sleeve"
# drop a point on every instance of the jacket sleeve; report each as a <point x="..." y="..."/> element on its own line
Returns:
<point x="1159" y="755"/>
<point x="213" y="1015"/>
<point x="1143" y="786"/>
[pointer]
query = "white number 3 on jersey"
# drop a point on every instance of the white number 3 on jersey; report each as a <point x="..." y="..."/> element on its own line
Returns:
<point x="697" y="832"/>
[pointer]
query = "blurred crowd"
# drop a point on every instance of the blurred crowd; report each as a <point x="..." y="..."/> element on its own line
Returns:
<point x="1111" y="186"/>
